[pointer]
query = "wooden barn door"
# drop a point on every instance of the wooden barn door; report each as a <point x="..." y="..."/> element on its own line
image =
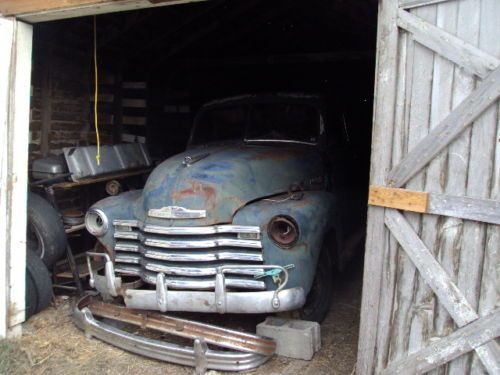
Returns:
<point x="431" y="280"/>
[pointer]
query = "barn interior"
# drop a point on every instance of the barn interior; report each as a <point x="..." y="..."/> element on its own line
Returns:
<point x="157" y="67"/>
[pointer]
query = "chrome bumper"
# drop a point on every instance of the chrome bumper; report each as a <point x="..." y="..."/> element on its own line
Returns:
<point x="220" y="301"/>
<point x="199" y="356"/>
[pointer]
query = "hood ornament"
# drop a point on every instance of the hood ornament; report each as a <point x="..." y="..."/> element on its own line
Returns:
<point x="176" y="212"/>
<point x="190" y="160"/>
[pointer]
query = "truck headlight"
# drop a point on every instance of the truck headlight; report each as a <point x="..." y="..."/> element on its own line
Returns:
<point x="96" y="222"/>
<point x="283" y="230"/>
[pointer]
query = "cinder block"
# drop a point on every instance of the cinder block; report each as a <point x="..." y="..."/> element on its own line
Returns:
<point x="298" y="339"/>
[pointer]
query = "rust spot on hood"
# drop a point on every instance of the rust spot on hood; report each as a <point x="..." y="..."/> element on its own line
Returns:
<point x="197" y="189"/>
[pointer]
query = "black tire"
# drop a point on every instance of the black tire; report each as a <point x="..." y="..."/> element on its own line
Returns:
<point x="38" y="285"/>
<point x="31" y="295"/>
<point x="319" y="299"/>
<point x="45" y="230"/>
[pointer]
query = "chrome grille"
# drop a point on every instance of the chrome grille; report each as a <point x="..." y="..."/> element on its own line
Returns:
<point x="189" y="256"/>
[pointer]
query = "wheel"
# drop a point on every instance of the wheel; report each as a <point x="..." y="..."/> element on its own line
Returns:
<point x="31" y="295"/>
<point x="45" y="230"/>
<point x="38" y="284"/>
<point x="319" y="299"/>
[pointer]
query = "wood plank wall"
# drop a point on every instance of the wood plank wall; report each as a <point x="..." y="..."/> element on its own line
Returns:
<point x="62" y="101"/>
<point x="428" y="88"/>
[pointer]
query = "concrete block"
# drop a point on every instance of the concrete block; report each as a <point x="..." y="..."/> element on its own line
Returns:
<point x="298" y="339"/>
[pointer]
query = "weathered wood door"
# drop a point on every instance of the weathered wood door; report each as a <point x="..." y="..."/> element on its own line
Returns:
<point x="431" y="281"/>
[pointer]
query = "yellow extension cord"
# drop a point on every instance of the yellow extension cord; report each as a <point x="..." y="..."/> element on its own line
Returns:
<point x="96" y="96"/>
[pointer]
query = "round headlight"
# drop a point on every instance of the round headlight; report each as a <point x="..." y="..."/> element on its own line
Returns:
<point x="96" y="222"/>
<point x="283" y="230"/>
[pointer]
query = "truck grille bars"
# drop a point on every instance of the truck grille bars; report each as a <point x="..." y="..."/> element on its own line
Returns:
<point x="189" y="256"/>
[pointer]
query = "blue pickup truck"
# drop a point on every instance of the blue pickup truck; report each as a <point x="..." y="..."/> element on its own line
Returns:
<point x="253" y="217"/>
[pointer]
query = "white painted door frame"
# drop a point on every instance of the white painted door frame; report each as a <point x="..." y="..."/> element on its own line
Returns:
<point x="15" y="81"/>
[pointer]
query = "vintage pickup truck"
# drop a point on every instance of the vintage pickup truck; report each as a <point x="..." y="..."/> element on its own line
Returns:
<point x="247" y="220"/>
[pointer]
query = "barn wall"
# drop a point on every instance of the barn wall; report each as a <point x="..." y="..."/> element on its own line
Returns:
<point x="427" y="88"/>
<point x="62" y="100"/>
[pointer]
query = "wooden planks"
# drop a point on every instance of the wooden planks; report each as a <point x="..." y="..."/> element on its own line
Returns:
<point x="402" y="199"/>
<point x="443" y="286"/>
<point x="471" y="58"/>
<point x="489" y="288"/>
<point x="486" y="93"/>
<point x="448" y="348"/>
<point x="449" y="47"/>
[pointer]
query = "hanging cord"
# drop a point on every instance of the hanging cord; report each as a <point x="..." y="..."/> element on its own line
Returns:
<point x="96" y="96"/>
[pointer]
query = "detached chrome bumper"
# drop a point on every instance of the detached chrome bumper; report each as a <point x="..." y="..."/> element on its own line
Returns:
<point x="220" y="301"/>
<point x="199" y="356"/>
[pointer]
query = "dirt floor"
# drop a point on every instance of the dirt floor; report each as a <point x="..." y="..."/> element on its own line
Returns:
<point x="51" y="344"/>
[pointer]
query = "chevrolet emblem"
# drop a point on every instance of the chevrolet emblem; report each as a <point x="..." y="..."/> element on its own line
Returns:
<point x="176" y="212"/>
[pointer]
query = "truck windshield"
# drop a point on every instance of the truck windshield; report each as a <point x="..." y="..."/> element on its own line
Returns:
<point x="283" y="122"/>
<point x="261" y="122"/>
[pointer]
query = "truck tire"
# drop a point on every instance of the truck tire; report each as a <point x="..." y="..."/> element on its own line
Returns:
<point x="45" y="230"/>
<point x="31" y="295"/>
<point x="38" y="284"/>
<point x="319" y="298"/>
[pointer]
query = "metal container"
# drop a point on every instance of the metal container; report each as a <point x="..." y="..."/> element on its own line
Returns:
<point x="52" y="166"/>
<point x="82" y="161"/>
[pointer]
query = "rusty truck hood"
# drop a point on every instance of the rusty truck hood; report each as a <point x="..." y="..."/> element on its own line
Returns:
<point x="223" y="179"/>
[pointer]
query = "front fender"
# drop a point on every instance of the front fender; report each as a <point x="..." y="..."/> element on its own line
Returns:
<point x="314" y="214"/>
<point x="117" y="207"/>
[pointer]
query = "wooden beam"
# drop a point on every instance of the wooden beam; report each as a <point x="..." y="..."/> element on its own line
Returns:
<point x="441" y="283"/>
<point x="117" y="105"/>
<point x="469" y="57"/>
<point x="448" y="348"/>
<point x="6" y="40"/>
<point x="49" y="10"/>
<point x="134" y="120"/>
<point x="46" y="101"/>
<point x="484" y="210"/>
<point x="134" y="85"/>
<point x="407" y="4"/>
<point x="15" y="69"/>
<point x="486" y="93"/>
<point x="15" y="7"/>
<point x="134" y="103"/>
<point x="401" y="199"/>
<point x="376" y="245"/>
